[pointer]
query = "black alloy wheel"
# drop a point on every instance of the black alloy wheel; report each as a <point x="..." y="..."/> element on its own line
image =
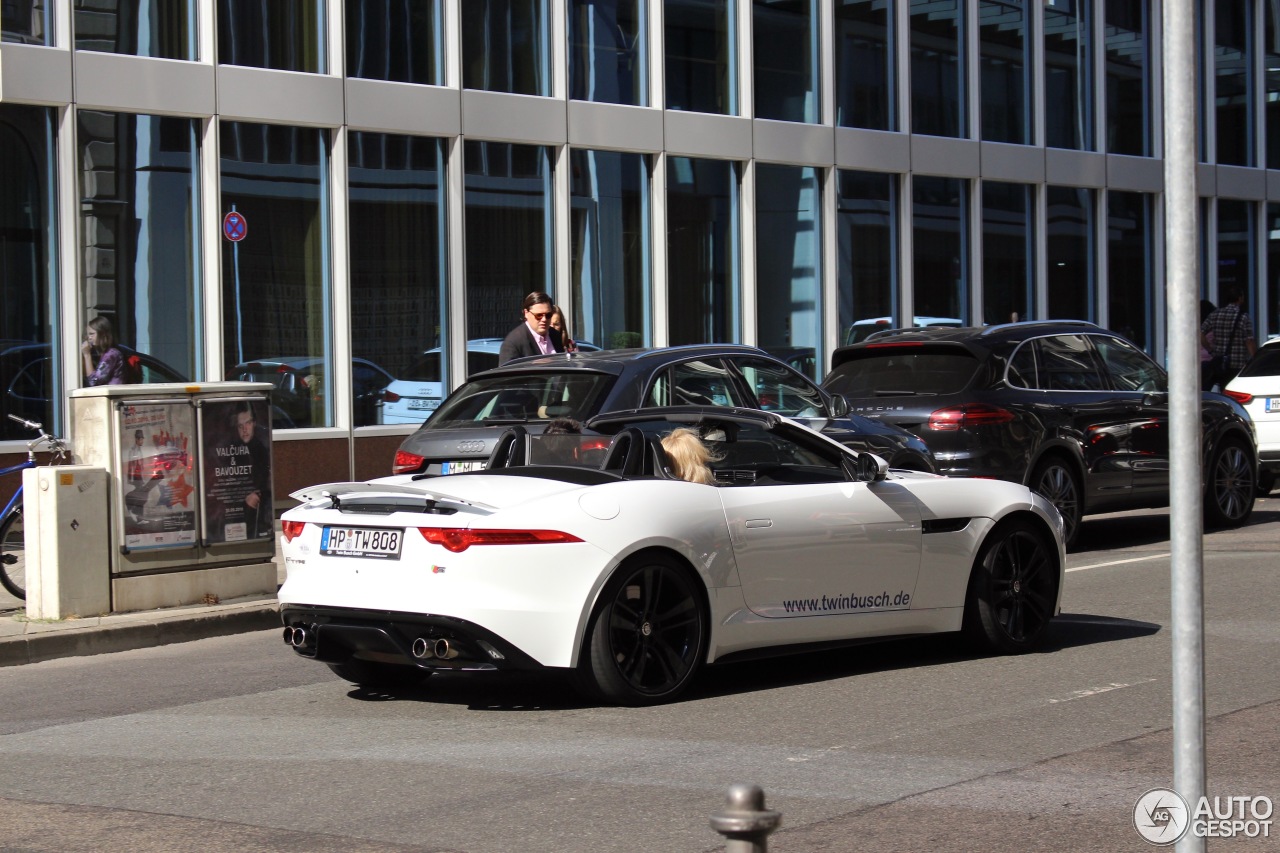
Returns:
<point x="1013" y="588"/>
<point x="1230" y="486"/>
<point x="648" y="636"/>
<point x="1058" y="483"/>
<point x="13" y="555"/>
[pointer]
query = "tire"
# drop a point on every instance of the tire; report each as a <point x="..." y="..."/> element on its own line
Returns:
<point x="1013" y="588"/>
<point x="1058" y="482"/>
<point x="648" y="636"/>
<point x="1230" y="486"/>
<point x="372" y="674"/>
<point x="1266" y="482"/>
<point x="13" y="555"/>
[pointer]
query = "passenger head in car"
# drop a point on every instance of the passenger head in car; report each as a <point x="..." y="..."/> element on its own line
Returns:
<point x="690" y="458"/>
<point x="563" y="426"/>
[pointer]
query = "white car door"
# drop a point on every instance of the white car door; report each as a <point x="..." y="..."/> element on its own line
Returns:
<point x="809" y="543"/>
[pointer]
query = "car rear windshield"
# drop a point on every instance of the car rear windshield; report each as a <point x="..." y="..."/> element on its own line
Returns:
<point x="891" y="371"/>
<point x="519" y="398"/>
<point x="1265" y="363"/>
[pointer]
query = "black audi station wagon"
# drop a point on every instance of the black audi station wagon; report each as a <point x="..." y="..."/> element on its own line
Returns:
<point x="461" y="434"/>
<point x="1072" y="410"/>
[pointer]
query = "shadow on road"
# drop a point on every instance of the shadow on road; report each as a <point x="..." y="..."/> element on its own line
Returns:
<point x="1132" y="530"/>
<point x="1108" y="533"/>
<point x="551" y="691"/>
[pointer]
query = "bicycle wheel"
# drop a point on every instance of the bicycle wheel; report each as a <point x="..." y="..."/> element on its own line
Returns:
<point x="13" y="554"/>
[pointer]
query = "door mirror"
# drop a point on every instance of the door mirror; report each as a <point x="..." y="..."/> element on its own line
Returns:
<point x="866" y="468"/>
<point x="839" y="406"/>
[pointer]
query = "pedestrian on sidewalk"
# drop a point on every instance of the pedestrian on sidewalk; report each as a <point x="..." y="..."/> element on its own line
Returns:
<point x="1228" y="334"/>
<point x="534" y="336"/>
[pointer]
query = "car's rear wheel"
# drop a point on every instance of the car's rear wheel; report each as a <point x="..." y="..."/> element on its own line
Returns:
<point x="1230" y="486"/>
<point x="1013" y="588"/>
<point x="648" y="635"/>
<point x="368" y="673"/>
<point x="13" y="554"/>
<point x="1058" y="483"/>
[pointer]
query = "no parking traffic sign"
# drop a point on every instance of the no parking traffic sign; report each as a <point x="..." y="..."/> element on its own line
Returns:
<point x="234" y="227"/>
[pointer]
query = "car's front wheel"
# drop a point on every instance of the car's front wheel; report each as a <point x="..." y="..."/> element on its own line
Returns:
<point x="1230" y="486"/>
<point x="1013" y="588"/>
<point x="380" y="675"/>
<point x="648" y="635"/>
<point x="1057" y="482"/>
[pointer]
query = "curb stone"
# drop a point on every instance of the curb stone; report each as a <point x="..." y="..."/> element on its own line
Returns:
<point x="136" y="634"/>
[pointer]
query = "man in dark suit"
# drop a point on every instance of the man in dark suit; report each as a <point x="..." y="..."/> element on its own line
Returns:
<point x="534" y="336"/>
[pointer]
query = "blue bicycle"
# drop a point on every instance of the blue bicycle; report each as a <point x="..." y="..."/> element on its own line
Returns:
<point x="13" y="546"/>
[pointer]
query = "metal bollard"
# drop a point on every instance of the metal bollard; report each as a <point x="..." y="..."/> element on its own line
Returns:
<point x="744" y="821"/>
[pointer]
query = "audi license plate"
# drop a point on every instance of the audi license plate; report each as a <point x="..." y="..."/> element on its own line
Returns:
<point x="378" y="543"/>
<point x="1273" y="404"/>
<point x="459" y="467"/>
<point x="418" y="405"/>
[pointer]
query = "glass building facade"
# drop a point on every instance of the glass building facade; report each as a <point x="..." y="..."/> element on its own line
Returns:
<point x="784" y="173"/>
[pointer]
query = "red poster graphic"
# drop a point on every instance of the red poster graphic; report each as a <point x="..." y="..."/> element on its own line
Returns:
<point x="157" y="481"/>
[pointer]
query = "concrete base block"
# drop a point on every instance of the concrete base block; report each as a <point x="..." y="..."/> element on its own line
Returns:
<point x="198" y="586"/>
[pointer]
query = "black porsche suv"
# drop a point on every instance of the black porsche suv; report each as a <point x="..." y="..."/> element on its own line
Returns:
<point x="1072" y="410"/>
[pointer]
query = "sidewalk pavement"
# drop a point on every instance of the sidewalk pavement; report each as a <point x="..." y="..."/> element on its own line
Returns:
<point x="29" y="641"/>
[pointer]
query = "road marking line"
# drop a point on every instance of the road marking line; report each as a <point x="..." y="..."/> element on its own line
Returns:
<point x="1118" y="562"/>
<point x="1082" y="694"/>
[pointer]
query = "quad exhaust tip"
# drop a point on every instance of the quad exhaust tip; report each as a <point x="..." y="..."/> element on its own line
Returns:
<point x="425" y="648"/>
<point x="296" y="637"/>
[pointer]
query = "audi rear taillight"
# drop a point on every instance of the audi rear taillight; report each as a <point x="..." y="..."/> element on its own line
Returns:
<point x="389" y="396"/>
<point x="292" y="529"/>
<point x="1240" y="397"/>
<point x="406" y="462"/>
<point x="968" y="416"/>
<point x="458" y="539"/>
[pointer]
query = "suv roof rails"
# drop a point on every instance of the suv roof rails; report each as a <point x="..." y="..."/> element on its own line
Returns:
<point x="1022" y="324"/>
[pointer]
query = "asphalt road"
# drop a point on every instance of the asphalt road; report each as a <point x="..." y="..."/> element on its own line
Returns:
<point x="232" y="744"/>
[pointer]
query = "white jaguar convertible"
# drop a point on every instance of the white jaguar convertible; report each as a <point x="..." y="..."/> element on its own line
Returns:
<point x="585" y="553"/>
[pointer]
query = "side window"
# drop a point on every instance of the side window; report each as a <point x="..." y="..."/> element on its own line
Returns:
<point x="754" y="457"/>
<point x="780" y="389"/>
<point x="1067" y="363"/>
<point x="1130" y="369"/>
<point x="695" y="383"/>
<point x="1022" y="367"/>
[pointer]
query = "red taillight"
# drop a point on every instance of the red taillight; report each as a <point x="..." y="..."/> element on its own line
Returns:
<point x="1240" y="397"/>
<point x="389" y="396"/>
<point x="406" y="463"/>
<point x="457" y="539"/>
<point x="292" y="529"/>
<point x="966" y="417"/>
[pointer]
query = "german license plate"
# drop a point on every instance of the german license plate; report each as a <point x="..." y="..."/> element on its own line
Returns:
<point x="378" y="543"/>
<point x="1273" y="404"/>
<point x="464" y="465"/>
<point x="419" y="405"/>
